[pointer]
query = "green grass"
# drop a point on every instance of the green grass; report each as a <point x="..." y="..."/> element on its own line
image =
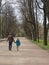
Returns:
<point x="41" y="44"/>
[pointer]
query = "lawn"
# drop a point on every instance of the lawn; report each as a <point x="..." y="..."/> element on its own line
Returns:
<point x="41" y="44"/>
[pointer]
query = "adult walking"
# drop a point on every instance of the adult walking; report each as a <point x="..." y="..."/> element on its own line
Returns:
<point x="10" y="39"/>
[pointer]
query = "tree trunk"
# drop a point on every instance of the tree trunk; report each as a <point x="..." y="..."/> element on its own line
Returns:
<point x="45" y="29"/>
<point x="37" y="23"/>
<point x="31" y="10"/>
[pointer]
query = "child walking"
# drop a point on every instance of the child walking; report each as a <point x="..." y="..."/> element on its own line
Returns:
<point x="17" y="44"/>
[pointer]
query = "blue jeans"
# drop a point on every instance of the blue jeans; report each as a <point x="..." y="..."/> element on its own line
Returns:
<point x="10" y="45"/>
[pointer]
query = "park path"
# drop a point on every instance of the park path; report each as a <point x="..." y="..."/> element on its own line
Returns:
<point x="28" y="54"/>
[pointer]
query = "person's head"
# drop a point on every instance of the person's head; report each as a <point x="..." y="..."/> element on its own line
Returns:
<point x="17" y="38"/>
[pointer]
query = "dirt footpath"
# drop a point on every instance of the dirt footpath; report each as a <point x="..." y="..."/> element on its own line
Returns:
<point x="28" y="54"/>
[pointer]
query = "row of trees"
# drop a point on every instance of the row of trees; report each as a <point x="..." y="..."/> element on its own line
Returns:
<point x="29" y="24"/>
<point x="30" y="18"/>
<point x="8" y="21"/>
<point x="46" y="15"/>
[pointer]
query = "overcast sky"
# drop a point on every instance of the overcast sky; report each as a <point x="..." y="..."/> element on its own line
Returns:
<point x="16" y="8"/>
<point x="18" y="14"/>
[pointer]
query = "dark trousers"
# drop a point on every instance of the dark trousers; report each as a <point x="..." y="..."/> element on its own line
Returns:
<point x="10" y="45"/>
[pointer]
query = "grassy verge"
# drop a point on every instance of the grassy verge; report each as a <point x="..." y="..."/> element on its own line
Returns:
<point x="41" y="44"/>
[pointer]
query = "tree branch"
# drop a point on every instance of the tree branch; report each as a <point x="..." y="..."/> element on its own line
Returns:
<point x="38" y="5"/>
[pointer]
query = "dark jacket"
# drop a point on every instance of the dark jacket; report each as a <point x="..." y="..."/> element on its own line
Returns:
<point x="10" y="38"/>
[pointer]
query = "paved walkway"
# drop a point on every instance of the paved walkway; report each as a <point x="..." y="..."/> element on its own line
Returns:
<point x="28" y="54"/>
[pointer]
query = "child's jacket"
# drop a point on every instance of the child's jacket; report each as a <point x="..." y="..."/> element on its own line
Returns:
<point x="17" y="42"/>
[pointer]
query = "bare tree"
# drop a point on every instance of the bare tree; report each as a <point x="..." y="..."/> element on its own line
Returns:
<point x="9" y="21"/>
<point x="27" y="10"/>
<point x="45" y="21"/>
<point x="0" y="2"/>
